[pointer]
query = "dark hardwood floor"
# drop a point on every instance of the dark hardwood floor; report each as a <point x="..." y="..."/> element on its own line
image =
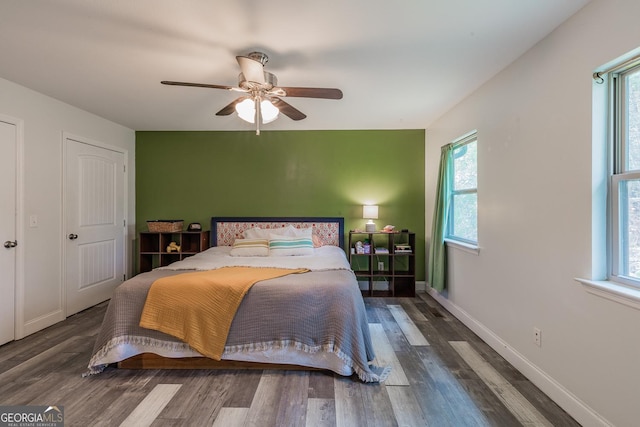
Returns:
<point x="443" y="375"/>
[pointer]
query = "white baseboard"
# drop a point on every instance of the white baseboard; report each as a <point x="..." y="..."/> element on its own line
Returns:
<point x="581" y="412"/>
<point x="41" y="322"/>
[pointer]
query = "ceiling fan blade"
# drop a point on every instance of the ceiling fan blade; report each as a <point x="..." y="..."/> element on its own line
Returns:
<point x="287" y="109"/>
<point x="252" y="70"/>
<point x="231" y="108"/>
<point x="166" y="82"/>
<point x="308" y="92"/>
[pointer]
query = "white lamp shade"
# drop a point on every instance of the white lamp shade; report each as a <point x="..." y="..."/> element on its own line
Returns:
<point x="370" y="212"/>
<point x="247" y="110"/>
<point x="268" y="111"/>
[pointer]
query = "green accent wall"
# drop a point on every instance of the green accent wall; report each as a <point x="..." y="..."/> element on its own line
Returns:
<point x="194" y="175"/>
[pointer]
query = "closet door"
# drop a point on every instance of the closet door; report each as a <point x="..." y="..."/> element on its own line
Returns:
<point x="94" y="224"/>
<point x="8" y="163"/>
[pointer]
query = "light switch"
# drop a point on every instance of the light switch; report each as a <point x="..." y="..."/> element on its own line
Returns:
<point x="33" y="221"/>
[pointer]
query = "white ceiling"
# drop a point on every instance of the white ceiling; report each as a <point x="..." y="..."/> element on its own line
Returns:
<point x="401" y="64"/>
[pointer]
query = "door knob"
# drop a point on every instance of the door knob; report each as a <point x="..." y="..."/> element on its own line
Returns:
<point x="9" y="244"/>
<point x="73" y="236"/>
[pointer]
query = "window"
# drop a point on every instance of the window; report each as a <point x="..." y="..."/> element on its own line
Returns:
<point x="624" y="190"/>
<point x="463" y="207"/>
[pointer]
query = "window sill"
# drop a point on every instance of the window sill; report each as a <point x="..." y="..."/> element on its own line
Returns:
<point x="613" y="291"/>
<point x="465" y="247"/>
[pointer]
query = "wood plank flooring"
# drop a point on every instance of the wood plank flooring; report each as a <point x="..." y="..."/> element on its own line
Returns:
<point x="443" y="375"/>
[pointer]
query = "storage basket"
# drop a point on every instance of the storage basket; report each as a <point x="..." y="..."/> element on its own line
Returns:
<point x="165" y="225"/>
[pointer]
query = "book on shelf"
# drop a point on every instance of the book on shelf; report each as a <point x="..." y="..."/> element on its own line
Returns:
<point x="403" y="249"/>
<point x="381" y="250"/>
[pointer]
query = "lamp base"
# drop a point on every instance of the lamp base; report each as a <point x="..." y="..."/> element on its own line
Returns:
<point x="370" y="227"/>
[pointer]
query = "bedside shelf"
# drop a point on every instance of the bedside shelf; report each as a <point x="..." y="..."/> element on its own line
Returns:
<point x="153" y="247"/>
<point x="386" y="270"/>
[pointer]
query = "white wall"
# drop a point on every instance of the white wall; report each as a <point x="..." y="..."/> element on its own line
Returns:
<point x="534" y="123"/>
<point x="45" y="119"/>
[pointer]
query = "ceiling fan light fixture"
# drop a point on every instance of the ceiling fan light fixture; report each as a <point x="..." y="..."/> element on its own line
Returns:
<point x="247" y="110"/>
<point x="268" y="111"/>
<point x="262" y="97"/>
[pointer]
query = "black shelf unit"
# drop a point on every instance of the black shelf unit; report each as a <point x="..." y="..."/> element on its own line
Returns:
<point x="386" y="270"/>
<point x="153" y="247"/>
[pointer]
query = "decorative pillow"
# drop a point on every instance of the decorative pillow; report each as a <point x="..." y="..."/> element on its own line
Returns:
<point x="264" y="233"/>
<point x="250" y="247"/>
<point x="317" y="241"/>
<point x="301" y="232"/>
<point x="256" y="233"/>
<point x="290" y="246"/>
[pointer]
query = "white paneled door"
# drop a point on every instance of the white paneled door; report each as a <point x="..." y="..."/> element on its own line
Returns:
<point x="94" y="223"/>
<point x="8" y="148"/>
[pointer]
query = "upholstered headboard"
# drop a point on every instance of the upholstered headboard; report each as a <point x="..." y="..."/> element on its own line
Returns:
<point x="224" y="230"/>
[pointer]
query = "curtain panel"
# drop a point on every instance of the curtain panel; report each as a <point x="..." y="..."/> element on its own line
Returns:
<point x="438" y="251"/>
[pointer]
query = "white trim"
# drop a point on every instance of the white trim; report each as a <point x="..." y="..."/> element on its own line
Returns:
<point x="465" y="139"/>
<point x="63" y="254"/>
<point x="465" y="247"/>
<point x="613" y="291"/>
<point x="44" y="321"/>
<point x="67" y="135"/>
<point x="20" y="234"/>
<point x="575" y="407"/>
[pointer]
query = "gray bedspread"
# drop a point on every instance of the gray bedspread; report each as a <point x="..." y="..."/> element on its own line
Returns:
<point x="315" y="319"/>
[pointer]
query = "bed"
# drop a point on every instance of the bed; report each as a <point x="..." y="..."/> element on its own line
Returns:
<point x="314" y="319"/>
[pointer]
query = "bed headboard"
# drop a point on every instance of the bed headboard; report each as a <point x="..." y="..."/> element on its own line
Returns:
<point x="224" y="230"/>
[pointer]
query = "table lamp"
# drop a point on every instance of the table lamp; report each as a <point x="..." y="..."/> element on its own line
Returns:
<point x="370" y="212"/>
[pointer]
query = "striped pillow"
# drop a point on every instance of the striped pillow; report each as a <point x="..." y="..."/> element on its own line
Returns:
<point x="250" y="247"/>
<point x="290" y="246"/>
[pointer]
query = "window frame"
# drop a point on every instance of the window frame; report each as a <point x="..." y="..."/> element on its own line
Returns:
<point x="619" y="173"/>
<point x="466" y="139"/>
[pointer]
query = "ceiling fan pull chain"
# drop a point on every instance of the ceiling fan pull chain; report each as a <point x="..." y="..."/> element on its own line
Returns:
<point x="258" y="115"/>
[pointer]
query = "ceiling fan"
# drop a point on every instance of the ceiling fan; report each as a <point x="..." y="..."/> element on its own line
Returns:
<point x="262" y="101"/>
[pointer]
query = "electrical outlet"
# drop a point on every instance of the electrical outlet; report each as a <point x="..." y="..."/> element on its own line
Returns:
<point x="380" y="265"/>
<point x="537" y="337"/>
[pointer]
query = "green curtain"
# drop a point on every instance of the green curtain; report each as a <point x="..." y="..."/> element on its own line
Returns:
<point x="438" y="250"/>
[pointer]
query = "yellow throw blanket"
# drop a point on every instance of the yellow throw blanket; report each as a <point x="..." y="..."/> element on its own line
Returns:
<point x="199" y="307"/>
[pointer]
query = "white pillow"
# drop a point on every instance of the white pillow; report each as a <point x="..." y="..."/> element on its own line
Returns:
<point x="302" y="232"/>
<point x="264" y="233"/>
<point x="250" y="247"/>
<point x="308" y="232"/>
<point x="255" y="233"/>
<point x="290" y="246"/>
